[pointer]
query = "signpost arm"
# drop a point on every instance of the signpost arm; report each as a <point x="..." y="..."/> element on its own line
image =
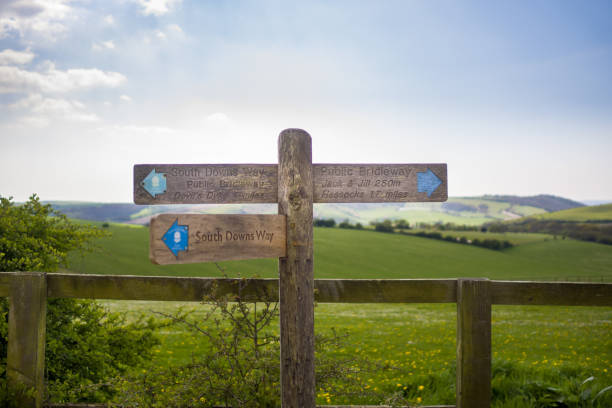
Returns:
<point x="296" y="279"/>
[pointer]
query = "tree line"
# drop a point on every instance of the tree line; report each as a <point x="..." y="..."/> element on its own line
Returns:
<point x="583" y="231"/>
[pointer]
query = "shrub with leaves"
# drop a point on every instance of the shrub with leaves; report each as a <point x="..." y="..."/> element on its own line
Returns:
<point x="85" y="345"/>
<point x="240" y="366"/>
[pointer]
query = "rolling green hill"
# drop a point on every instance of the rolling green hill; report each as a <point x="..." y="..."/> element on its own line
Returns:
<point x="458" y="210"/>
<point x="596" y="213"/>
<point x="366" y="254"/>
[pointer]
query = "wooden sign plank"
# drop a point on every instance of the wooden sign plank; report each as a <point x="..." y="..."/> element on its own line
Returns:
<point x="379" y="183"/>
<point x="205" y="183"/>
<point x="258" y="183"/>
<point x="189" y="238"/>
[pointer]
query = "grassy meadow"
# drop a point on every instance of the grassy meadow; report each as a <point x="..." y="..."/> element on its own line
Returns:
<point x="534" y="348"/>
<point x="596" y="213"/>
<point x="341" y="253"/>
<point x="413" y="347"/>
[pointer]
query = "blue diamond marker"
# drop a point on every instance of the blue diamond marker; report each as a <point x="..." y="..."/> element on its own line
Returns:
<point x="177" y="238"/>
<point x="427" y="182"/>
<point x="154" y="183"/>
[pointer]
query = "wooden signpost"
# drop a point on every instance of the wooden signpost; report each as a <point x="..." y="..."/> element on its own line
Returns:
<point x="295" y="183"/>
<point x="188" y="238"/>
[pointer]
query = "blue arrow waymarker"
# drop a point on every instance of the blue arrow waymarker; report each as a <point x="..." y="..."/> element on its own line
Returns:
<point x="154" y="183"/>
<point x="427" y="182"/>
<point x="177" y="238"/>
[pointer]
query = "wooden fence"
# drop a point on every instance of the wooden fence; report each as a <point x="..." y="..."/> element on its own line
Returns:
<point x="28" y="293"/>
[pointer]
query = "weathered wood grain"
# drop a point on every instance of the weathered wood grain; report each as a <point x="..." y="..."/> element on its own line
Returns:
<point x="326" y="290"/>
<point x="377" y="183"/>
<point x="159" y="288"/>
<point x="218" y="237"/>
<point x="386" y="290"/>
<point x="25" y="363"/>
<point x="209" y="183"/>
<point x="195" y="289"/>
<point x="551" y="293"/>
<point x="296" y="275"/>
<point x="258" y="183"/>
<point x="473" y="343"/>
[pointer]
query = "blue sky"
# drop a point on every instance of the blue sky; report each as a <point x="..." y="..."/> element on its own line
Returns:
<point x="515" y="96"/>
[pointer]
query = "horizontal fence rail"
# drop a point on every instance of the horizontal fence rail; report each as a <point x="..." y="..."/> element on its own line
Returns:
<point x="164" y="288"/>
<point x="28" y="291"/>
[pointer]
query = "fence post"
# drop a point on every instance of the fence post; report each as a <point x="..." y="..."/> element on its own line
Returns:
<point x="296" y="279"/>
<point x="26" y="338"/>
<point x="473" y="343"/>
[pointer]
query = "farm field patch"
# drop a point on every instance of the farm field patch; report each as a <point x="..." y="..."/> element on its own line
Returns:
<point x="341" y="253"/>
<point x="414" y="345"/>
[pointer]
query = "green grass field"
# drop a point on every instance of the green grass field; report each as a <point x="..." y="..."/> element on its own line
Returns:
<point x="515" y="238"/>
<point x="599" y="213"/>
<point x="341" y="253"/>
<point x="414" y="344"/>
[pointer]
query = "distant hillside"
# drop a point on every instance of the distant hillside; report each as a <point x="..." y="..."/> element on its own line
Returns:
<point x="593" y="224"/>
<point x="597" y="213"/>
<point x="546" y="202"/>
<point x="96" y="211"/>
<point x="458" y="210"/>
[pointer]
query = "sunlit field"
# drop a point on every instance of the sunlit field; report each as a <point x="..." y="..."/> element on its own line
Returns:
<point x="413" y="348"/>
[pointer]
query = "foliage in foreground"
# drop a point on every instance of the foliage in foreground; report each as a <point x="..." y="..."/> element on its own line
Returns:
<point x="240" y="365"/>
<point x="85" y="344"/>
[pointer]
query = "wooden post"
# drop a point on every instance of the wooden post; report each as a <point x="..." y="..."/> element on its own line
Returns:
<point x="296" y="280"/>
<point x="473" y="343"/>
<point x="26" y="337"/>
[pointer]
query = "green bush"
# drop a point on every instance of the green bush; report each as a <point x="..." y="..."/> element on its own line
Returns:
<point x="322" y="222"/>
<point x="239" y="367"/>
<point x="85" y="345"/>
<point x="384" y="226"/>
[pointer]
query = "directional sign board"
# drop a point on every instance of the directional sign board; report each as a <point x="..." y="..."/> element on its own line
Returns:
<point x="379" y="183"/>
<point x="258" y="183"/>
<point x="205" y="183"/>
<point x="189" y="238"/>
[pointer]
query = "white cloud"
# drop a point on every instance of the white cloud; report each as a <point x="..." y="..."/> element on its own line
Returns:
<point x="12" y="57"/>
<point x="43" y="109"/>
<point x="103" y="45"/>
<point x="52" y="80"/>
<point x="125" y="98"/>
<point x="170" y="32"/>
<point x="41" y="17"/>
<point x="137" y="130"/>
<point x="218" y="117"/>
<point x="158" y="7"/>
<point x="176" y="29"/>
<point x="110" y="20"/>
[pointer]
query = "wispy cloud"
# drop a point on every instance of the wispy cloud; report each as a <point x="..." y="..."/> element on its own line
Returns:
<point x="51" y="80"/>
<point x="158" y="7"/>
<point x="42" y="110"/>
<point x="12" y="57"/>
<point x="218" y="117"/>
<point x="103" y="45"/>
<point x="41" y="17"/>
